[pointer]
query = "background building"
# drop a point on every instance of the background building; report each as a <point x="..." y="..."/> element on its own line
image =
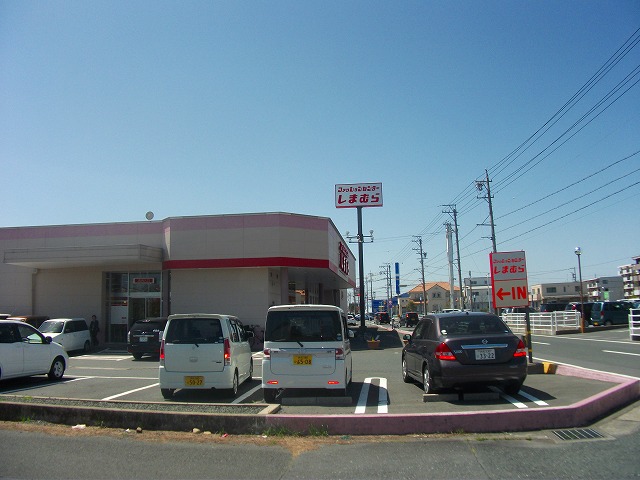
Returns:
<point x="122" y="272"/>
<point x="631" y="279"/>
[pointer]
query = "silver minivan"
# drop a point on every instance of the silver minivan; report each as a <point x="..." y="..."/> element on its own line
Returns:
<point x="306" y="346"/>
<point x="204" y="351"/>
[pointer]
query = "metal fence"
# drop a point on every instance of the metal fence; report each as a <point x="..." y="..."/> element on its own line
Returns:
<point x="543" y="323"/>
<point x="634" y="324"/>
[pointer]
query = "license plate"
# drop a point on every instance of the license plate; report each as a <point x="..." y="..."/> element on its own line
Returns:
<point x="143" y="339"/>
<point x="302" y="359"/>
<point x="486" y="354"/>
<point x="193" y="381"/>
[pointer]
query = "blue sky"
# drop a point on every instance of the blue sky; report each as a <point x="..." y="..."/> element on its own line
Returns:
<point x="113" y="109"/>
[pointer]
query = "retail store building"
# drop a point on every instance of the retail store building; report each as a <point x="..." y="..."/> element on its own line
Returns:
<point x="122" y="272"/>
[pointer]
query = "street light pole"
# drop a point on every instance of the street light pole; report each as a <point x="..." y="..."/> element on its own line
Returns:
<point x="578" y="252"/>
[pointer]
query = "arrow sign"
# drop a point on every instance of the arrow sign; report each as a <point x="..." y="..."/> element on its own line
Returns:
<point x="509" y="279"/>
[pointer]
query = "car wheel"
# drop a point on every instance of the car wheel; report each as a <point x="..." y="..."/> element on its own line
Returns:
<point x="512" y="388"/>
<point x="269" y="394"/>
<point x="137" y="356"/>
<point x="87" y="346"/>
<point x="167" y="393"/>
<point x="234" y="388"/>
<point x="427" y="380"/>
<point x="57" y="369"/>
<point x="405" y="373"/>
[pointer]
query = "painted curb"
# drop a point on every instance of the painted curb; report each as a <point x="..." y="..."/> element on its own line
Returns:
<point x="625" y="391"/>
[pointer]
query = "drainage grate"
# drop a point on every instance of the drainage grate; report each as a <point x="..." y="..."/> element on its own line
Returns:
<point x="578" y="434"/>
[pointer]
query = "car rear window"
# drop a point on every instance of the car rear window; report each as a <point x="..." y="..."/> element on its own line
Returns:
<point x="150" y="324"/>
<point x="194" y="330"/>
<point x="51" y="327"/>
<point x="309" y="326"/>
<point x="471" y="326"/>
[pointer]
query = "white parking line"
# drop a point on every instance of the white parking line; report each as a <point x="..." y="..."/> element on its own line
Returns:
<point x="382" y="396"/>
<point x="509" y="398"/>
<point x="130" y="391"/>
<point x="533" y="399"/>
<point x="622" y="353"/>
<point x="113" y="358"/>
<point x="249" y="393"/>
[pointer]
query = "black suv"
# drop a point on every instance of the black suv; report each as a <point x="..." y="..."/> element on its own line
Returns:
<point x="410" y="319"/>
<point x="145" y="336"/>
<point x="382" y="317"/>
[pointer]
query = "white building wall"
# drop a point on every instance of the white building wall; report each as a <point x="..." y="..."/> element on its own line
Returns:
<point x="69" y="292"/>
<point x="16" y="295"/>
<point x="239" y="291"/>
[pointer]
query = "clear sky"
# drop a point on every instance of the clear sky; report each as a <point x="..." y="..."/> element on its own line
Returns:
<point x="110" y="109"/>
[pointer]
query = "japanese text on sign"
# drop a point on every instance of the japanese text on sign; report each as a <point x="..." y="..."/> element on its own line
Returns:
<point x="359" y="195"/>
<point x="344" y="258"/>
<point x="509" y="279"/>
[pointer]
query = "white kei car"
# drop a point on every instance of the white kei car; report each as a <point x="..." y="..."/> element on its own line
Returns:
<point x="204" y="351"/>
<point x="24" y="351"/>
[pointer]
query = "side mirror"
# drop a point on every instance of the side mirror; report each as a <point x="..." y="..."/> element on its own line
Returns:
<point x="351" y="334"/>
<point x="48" y="340"/>
<point x="406" y="337"/>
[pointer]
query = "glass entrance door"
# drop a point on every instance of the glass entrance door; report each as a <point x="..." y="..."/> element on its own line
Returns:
<point x="141" y="308"/>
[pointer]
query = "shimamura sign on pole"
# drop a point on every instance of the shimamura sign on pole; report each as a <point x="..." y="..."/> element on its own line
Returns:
<point x="509" y="279"/>
<point x="359" y="195"/>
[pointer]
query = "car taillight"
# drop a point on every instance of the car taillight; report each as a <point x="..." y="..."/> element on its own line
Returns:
<point x="339" y="354"/>
<point x="227" y="352"/>
<point x="521" y="350"/>
<point x="266" y="352"/>
<point x="443" y="352"/>
<point x="162" y="352"/>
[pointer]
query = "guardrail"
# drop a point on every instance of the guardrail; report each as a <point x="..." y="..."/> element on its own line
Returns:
<point x="543" y="323"/>
<point x="634" y="324"/>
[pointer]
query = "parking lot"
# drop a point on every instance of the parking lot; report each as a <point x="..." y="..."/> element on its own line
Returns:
<point x="377" y="387"/>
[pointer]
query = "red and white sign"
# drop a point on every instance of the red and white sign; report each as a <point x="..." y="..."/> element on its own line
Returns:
<point x="509" y="279"/>
<point x="359" y="195"/>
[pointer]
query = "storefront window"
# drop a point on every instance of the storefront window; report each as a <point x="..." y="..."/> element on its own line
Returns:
<point x="131" y="296"/>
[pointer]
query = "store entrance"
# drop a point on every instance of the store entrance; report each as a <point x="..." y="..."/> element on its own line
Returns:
<point x="131" y="296"/>
<point x="141" y="308"/>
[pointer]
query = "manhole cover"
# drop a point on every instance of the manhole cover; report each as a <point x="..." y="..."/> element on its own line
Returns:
<point x="578" y="434"/>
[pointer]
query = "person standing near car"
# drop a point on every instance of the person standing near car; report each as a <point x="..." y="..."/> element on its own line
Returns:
<point x="94" y="329"/>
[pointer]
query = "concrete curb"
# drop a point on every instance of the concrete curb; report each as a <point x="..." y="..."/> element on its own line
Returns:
<point x="626" y="391"/>
<point x="579" y="414"/>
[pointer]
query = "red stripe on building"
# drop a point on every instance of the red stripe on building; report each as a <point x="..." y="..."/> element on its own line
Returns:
<point x="246" y="263"/>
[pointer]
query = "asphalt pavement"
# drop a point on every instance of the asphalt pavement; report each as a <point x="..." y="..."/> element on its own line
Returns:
<point x="119" y="391"/>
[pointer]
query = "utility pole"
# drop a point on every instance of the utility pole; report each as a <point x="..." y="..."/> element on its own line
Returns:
<point x="422" y="255"/>
<point x="386" y="270"/>
<point x="450" y="257"/>
<point x="454" y="214"/>
<point x="480" y="185"/>
<point x="470" y="292"/>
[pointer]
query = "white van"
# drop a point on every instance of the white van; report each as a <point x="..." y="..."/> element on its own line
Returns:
<point x="71" y="333"/>
<point x="306" y="346"/>
<point x="203" y="351"/>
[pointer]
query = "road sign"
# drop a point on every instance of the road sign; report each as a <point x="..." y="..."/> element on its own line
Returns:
<point x="509" y="279"/>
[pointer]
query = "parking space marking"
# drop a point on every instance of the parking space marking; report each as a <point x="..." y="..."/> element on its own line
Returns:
<point x="535" y="400"/>
<point x="249" y="393"/>
<point x="509" y="398"/>
<point x="383" y="396"/>
<point x="113" y="358"/>
<point x="100" y="368"/>
<point x="622" y="353"/>
<point x="130" y="391"/>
